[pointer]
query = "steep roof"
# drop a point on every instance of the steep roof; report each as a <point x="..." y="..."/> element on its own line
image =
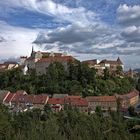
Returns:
<point x="9" y="98"/>
<point x="34" y="99"/>
<point x="40" y="99"/>
<point x="108" y="62"/>
<point x="119" y="61"/>
<point x="105" y="61"/>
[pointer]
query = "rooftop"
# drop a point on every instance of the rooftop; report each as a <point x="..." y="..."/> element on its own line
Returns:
<point x="101" y="99"/>
<point x="55" y="101"/>
<point x="57" y="59"/>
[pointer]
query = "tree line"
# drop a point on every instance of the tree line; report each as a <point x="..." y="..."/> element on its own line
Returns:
<point x="65" y="125"/>
<point x="78" y="79"/>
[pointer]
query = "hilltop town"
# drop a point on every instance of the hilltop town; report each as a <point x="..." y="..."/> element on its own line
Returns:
<point x="57" y="89"/>
<point x="40" y="62"/>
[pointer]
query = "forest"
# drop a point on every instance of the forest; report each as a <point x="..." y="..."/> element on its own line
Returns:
<point x="65" y="125"/>
<point x="79" y="79"/>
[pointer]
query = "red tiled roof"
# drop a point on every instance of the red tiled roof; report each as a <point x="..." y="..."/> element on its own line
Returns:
<point x="18" y="98"/>
<point x="57" y="59"/>
<point x="40" y="99"/>
<point x="9" y="98"/>
<point x="130" y="95"/>
<point x="34" y="99"/>
<point x="76" y="101"/>
<point x="73" y="97"/>
<point x="101" y="99"/>
<point x="69" y="99"/>
<point x="56" y="101"/>
<point x="79" y="102"/>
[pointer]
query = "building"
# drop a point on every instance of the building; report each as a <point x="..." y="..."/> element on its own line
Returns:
<point x="130" y="73"/>
<point x="23" y="59"/>
<point x="40" y="61"/>
<point x="77" y="102"/>
<point x="56" y="104"/>
<point x="105" y="102"/>
<point x="111" y="65"/>
<point x="42" y="65"/>
<point x="92" y="63"/>
<point x="8" y="66"/>
<point x="130" y="99"/>
<point x="21" y="99"/>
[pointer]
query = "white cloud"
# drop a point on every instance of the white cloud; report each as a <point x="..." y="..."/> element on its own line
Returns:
<point x="129" y="15"/>
<point x="96" y="39"/>
<point x="132" y="34"/>
<point x="79" y="15"/>
<point x="86" y="34"/>
<point x="17" y="41"/>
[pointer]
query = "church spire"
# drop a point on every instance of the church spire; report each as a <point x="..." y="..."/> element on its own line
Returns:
<point x="32" y="49"/>
<point x="32" y="53"/>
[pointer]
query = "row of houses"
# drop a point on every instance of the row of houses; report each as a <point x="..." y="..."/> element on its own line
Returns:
<point x="22" y="101"/>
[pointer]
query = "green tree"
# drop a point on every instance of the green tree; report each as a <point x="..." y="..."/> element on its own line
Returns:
<point x="106" y="73"/>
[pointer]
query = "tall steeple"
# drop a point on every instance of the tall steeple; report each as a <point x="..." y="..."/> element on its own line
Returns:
<point x="32" y="53"/>
<point x="32" y="49"/>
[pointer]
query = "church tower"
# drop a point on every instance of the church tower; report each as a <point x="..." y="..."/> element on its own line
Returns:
<point x="33" y="52"/>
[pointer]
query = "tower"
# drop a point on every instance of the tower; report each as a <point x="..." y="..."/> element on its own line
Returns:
<point x="33" y="52"/>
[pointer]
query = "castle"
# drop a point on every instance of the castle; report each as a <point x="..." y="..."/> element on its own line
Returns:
<point x="40" y="61"/>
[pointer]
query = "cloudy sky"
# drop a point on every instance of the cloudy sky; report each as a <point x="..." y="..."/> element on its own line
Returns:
<point x="87" y="29"/>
